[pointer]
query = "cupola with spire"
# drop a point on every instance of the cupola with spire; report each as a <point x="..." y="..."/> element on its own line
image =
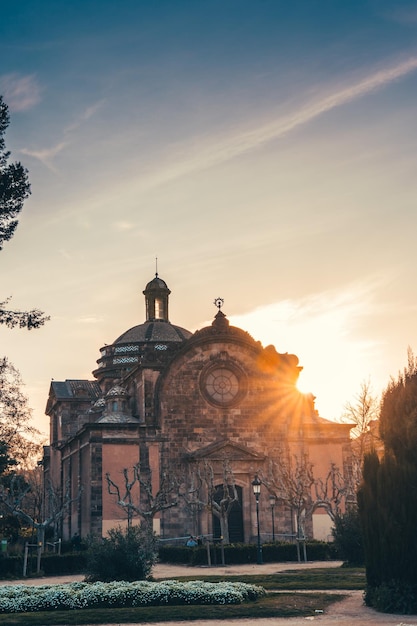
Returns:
<point x="151" y="343"/>
<point x="156" y="299"/>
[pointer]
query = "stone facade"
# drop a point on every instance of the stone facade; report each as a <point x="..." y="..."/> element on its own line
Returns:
<point x="181" y="404"/>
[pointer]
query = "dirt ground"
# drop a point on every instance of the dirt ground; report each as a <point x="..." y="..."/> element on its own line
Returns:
<point x="348" y="611"/>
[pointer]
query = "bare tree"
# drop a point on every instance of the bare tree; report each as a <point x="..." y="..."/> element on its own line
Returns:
<point x="331" y="493"/>
<point x="14" y="496"/>
<point x="291" y="480"/>
<point x="149" y="503"/>
<point x="213" y="491"/>
<point x="362" y="411"/>
<point x="364" y="414"/>
<point x="15" y="415"/>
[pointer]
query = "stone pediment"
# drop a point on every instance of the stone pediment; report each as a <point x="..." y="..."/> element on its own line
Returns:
<point x="225" y="449"/>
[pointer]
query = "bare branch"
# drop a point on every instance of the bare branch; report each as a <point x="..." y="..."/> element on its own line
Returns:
<point x="215" y="491"/>
<point x="150" y="504"/>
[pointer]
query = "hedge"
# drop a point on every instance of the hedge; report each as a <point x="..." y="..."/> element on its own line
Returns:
<point x="51" y="565"/>
<point x="235" y="554"/>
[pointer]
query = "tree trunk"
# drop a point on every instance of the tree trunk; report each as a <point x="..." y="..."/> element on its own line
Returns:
<point x="224" y="528"/>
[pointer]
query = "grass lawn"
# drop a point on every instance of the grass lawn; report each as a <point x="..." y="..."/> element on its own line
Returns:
<point x="322" y="578"/>
<point x="280" y="602"/>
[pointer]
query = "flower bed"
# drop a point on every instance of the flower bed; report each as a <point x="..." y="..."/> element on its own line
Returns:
<point x="24" y="599"/>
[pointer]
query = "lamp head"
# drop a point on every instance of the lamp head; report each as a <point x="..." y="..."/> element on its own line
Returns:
<point x="256" y="486"/>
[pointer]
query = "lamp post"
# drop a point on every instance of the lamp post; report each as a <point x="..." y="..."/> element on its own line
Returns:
<point x="256" y="485"/>
<point x="272" y="501"/>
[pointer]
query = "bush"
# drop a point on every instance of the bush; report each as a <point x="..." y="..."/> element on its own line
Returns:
<point x="392" y="598"/>
<point x="235" y="554"/>
<point x="123" y="555"/>
<point x="347" y="533"/>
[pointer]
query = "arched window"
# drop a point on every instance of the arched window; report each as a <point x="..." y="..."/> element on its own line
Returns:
<point x="159" y="309"/>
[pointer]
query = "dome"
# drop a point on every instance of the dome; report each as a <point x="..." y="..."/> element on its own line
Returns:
<point x="156" y="284"/>
<point x="154" y="331"/>
<point x="117" y="410"/>
<point x="150" y="344"/>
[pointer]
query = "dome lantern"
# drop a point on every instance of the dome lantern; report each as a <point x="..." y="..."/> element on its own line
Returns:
<point x="156" y="298"/>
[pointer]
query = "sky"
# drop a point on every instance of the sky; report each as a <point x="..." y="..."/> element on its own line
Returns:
<point x="264" y="151"/>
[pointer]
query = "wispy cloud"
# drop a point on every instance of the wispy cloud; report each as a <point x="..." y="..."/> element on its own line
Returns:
<point x="228" y="147"/>
<point x="20" y="92"/>
<point x="47" y="155"/>
<point x="84" y="116"/>
<point x="185" y="159"/>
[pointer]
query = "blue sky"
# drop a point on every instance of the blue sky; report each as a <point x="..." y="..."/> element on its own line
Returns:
<point x="264" y="151"/>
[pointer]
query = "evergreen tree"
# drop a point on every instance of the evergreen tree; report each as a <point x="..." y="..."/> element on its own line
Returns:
<point x="388" y="501"/>
<point x="14" y="184"/>
<point x="14" y="189"/>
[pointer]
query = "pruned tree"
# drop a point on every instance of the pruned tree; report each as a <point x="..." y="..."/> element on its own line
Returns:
<point x="214" y="491"/>
<point x="149" y="502"/>
<point x="291" y="480"/>
<point x="331" y="492"/>
<point x="14" y="496"/>
<point x="14" y="189"/>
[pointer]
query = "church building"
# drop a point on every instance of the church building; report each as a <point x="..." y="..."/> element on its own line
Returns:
<point x="172" y="415"/>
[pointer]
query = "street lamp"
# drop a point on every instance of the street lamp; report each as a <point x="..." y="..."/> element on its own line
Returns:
<point x="272" y="501"/>
<point x="256" y="485"/>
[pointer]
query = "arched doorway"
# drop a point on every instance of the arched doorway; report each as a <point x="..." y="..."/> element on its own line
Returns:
<point x="236" y="534"/>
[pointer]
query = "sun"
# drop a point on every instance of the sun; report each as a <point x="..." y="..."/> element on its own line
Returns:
<point x="321" y="331"/>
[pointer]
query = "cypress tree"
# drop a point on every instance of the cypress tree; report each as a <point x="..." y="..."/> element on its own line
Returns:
<point x="388" y="501"/>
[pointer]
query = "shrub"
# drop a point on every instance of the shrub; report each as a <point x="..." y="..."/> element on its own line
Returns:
<point x="392" y="598"/>
<point x="347" y="533"/>
<point x="124" y="555"/>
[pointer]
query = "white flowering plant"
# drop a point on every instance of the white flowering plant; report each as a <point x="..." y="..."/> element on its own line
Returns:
<point x="83" y="595"/>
